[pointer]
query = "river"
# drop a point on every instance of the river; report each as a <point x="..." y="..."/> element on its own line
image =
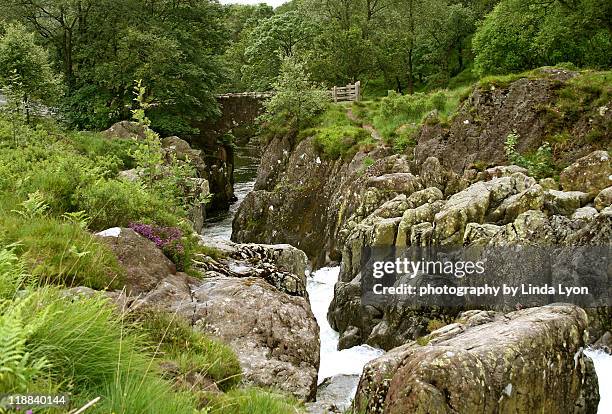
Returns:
<point x="340" y="368"/>
<point x="603" y="368"/>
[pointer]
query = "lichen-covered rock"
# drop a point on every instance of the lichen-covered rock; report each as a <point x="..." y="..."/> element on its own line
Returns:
<point x="564" y="202"/>
<point x="125" y="130"/>
<point x="470" y="206"/>
<point x="584" y="213"/>
<point x="433" y="174"/>
<point x="274" y="335"/>
<point x="524" y="362"/>
<point x="603" y="199"/>
<point x="549" y="184"/>
<point x="405" y="183"/>
<point x="530" y="199"/>
<point x="591" y="174"/>
<point x="479" y="234"/>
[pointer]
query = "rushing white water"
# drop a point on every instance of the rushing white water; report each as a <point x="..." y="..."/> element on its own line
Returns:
<point x="333" y="362"/>
<point x="603" y="368"/>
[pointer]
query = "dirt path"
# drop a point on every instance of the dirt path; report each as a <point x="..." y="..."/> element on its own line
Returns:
<point x="373" y="132"/>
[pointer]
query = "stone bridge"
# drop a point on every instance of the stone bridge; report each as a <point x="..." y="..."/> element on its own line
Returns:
<point x="239" y="112"/>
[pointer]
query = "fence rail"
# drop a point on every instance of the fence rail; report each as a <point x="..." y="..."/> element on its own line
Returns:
<point x="351" y="92"/>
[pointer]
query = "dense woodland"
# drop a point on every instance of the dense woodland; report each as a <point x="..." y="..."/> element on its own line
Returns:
<point x="85" y="55"/>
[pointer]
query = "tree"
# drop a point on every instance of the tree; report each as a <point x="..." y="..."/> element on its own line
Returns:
<point x="524" y="34"/>
<point x="101" y="46"/>
<point x="25" y="70"/>
<point x="297" y="99"/>
<point x="274" y="39"/>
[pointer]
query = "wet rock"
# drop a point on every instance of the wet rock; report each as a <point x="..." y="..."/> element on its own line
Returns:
<point x="522" y="363"/>
<point x="283" y="266"/>
<point x="591" y="174"/>
<point x="603" y="199"/>
<point x="334" y="395"/>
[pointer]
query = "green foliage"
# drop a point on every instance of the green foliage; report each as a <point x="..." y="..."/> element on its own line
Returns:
<point x="336" y="141"/>
<point x="25" y="70"/>
<point x="57" y="251"/>
<point x="297" y="100"/>
<point x="539" y="164"/>
<point x="253" y="401"/>
<point x="116" y="203"/>
<point x="102" y="46"/>
<point x="272" y="41"/>
<point x="193" y="352"/>
<point x="92" y="351"/>
<point x="524" y="34"/>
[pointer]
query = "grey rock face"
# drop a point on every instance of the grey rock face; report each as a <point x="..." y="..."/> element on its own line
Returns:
<point x="499" y="364"/>
<point x="591" y="174"/>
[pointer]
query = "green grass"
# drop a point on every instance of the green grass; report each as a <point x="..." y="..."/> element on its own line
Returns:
<point x="60" y="252"/>
<point x="191" y="351"/>
<point x="79" y="346"/>
<point x="336" y="135"/>
<point x="254" y="401"/>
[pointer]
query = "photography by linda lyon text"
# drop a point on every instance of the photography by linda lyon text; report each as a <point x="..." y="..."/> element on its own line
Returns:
<point x="485" y="290"/>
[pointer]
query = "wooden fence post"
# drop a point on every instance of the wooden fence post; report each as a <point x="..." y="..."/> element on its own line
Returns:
<point x="358" y="91"/>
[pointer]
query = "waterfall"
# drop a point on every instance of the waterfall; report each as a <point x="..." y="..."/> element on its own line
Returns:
<point x="603" y="369"/>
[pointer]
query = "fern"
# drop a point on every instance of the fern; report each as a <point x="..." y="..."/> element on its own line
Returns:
<point x="18" y="370"/>
<point x="34" y="206"/>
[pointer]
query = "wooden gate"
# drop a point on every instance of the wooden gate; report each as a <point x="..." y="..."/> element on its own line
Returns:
<point x="351" y="92"/>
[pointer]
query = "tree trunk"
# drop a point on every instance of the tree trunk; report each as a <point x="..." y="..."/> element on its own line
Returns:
<point x="410" y="72"/>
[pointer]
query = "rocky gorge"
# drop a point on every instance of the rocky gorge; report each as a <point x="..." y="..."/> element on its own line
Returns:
<point x="307" y="210"/>
<point x="456" y="188"/>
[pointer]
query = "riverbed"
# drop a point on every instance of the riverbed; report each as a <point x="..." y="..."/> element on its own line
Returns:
<point x="339" y="370"/>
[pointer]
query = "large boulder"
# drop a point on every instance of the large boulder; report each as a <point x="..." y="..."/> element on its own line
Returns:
<point x="146" y="266"/>
<point x="591" y="174"/>
<point x="125" y="130"/>
<point x="275" y="335"/>
<point x="251" y="297"/>
<point x="523" y="362"/>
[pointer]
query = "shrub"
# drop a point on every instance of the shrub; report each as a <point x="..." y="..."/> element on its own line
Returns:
<point x="170" y="240"/>
<point x="539" y="164"/>
<point x="297" y="100"/>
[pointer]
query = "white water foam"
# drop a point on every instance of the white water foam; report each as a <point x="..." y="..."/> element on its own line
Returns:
<point x="603" y="369"/>
<point x="333" y="362"/>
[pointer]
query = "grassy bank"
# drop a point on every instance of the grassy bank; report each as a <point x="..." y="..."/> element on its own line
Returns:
<point x="57" y="188"/>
